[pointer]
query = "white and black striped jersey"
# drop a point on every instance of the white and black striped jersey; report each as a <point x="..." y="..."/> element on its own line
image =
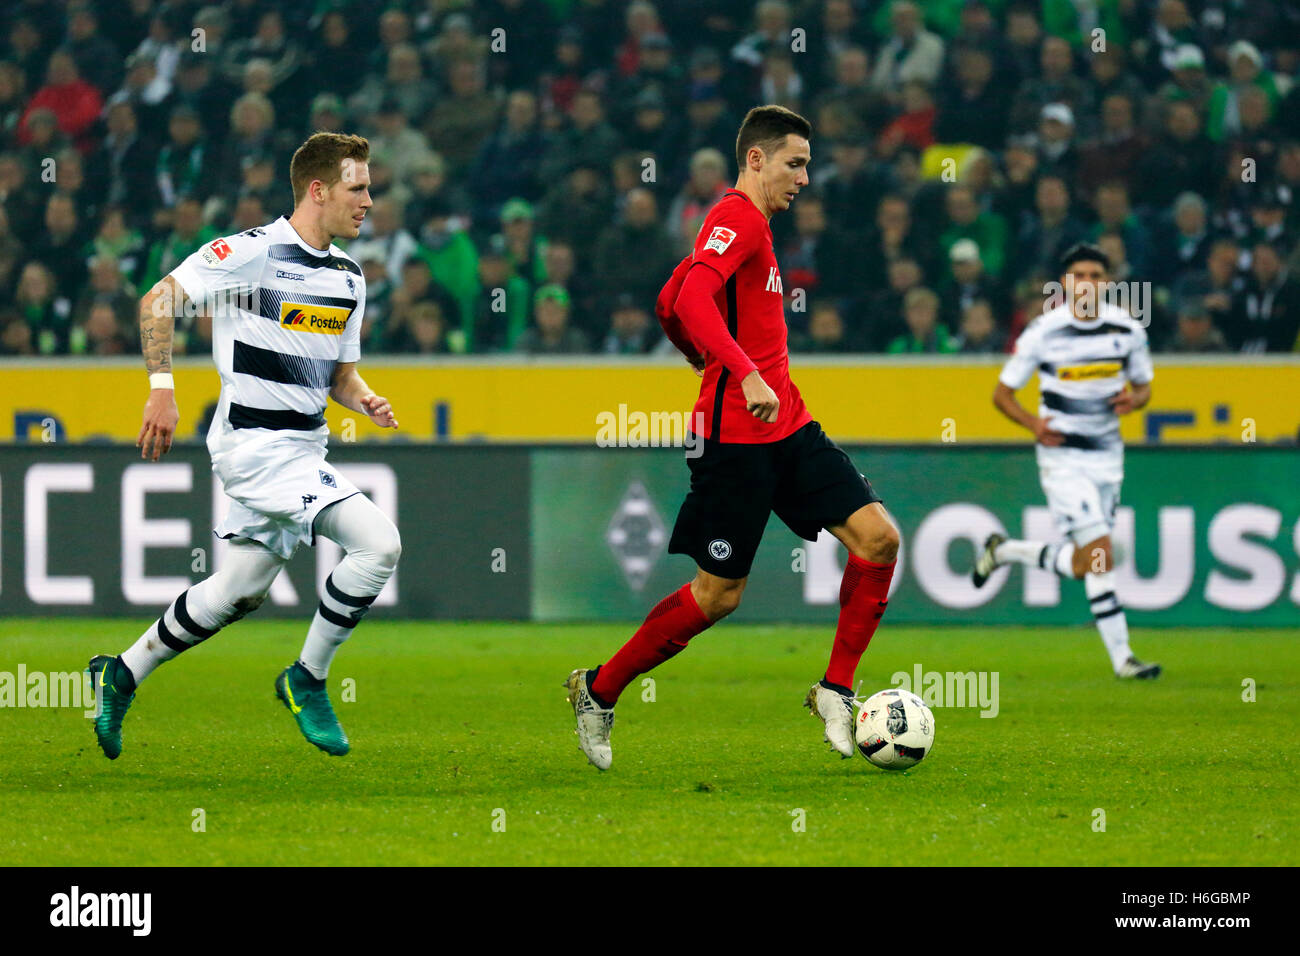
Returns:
<point x="1081" y="366"/>
<point x="284" y="314"/>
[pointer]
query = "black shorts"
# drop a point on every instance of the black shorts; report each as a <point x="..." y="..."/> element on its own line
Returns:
<point x="805" y="478"/>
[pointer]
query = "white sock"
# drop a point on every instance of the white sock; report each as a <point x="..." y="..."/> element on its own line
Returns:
<point x="373" y="547"/>
<point x="198" y="613"/>
<point x="1059" y="558"/>
<point x="1014" y="551"/>
<point x="1109" y="615"/>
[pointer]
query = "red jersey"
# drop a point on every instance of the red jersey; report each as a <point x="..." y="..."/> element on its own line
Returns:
<point x="736" y="242"/>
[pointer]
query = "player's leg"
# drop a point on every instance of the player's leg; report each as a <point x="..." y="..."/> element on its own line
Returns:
<point x="663" y="634"/>
<point x="1094" y="562"/>
<point x="821" y="488"/>
<point x="372" y="547"/>
<point x="197" y="613"/>
<point x="720" y="525"/>
<point x="1075" y="507"/>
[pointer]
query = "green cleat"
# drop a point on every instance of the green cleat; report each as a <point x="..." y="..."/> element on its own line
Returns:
<point x="111" y="679"/>
<point x="307" y="700"/>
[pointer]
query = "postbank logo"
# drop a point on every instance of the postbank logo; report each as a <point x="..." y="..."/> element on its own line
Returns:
<point x="321" y="319"/>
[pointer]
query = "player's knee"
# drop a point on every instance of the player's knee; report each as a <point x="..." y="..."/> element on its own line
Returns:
<point x="883" y="544"/>
<point x="243" y="606"/>
<point x="718" y="597"/>
<point x="389" y="552"/>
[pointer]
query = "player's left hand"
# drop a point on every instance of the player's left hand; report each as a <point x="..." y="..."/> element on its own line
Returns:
<point x="380" y="412"/>
<point x="1124" y="402"/>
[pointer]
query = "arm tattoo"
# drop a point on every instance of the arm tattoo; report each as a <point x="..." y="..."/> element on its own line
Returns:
<point x="157" y="324"/>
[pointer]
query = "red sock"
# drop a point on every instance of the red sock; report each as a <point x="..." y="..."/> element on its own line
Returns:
<point x="864" y="593"/>
<point x="667" y="628"/>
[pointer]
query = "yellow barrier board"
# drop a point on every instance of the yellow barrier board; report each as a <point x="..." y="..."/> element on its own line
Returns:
<point x="887" y="400"/>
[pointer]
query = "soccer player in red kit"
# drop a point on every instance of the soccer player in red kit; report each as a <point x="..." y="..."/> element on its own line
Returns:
<point x="724" y="308"/>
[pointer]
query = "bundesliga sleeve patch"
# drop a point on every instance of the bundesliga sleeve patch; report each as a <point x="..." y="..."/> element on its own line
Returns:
<point x="215" y="252"/>
<point x="720" y="238"/>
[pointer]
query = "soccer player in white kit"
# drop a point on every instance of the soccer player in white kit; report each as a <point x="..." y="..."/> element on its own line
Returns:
<point x="287" y="307"/>
<point x="1094" y="365"/>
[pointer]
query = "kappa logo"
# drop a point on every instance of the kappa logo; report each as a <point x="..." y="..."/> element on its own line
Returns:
<point x="327" y="480"/>
<point x="720" y="238"/>
<point x="307" y="500"/>
<point x="295" y="276"/>
<point x="719" y="549"/>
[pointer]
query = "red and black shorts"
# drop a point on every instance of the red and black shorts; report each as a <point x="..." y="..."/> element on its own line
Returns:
<point x="805" y="478"/>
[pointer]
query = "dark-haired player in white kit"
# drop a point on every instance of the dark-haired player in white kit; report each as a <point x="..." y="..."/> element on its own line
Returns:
<point x="1094" y="365"/>
<point x="287" y="306"/>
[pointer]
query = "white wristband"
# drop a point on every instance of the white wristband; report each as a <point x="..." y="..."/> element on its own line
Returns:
<point x="162" y="380"/>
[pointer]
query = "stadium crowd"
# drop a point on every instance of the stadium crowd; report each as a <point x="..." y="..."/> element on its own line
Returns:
<point x="539" y="167"/>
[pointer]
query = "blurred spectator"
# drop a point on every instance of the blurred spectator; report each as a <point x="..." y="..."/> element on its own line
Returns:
<point x="1054" y="229"/>
<point x="60" y="246"/>
<point x="1114" y="214"/>
<point x="200" y="87"/>
<point x="188" y="232"/>
<point x="424" y="331"/>
<point x="460" y="120"/>
<point x="577" y="209"/>
<point x="1182" y="160"/>
<point x="967" y="221"/>
<point x="817" y="258"/>
<point x="1057" y="151"/>
<point x="878" y="315"/>
<point x="1117" y="150"/>
<point x="387" y="239"/>
<point x="827" y="332"/>
<point x="118" y="242"/>
<point x="584" y="136"/>
<point x="705" y="186"/>
<point x="978" y="332"/>
<point x="632" y="329"/>
<point x="502" y="305"/>
<point x="403" y="87"/>
<point x="270" y="43"/>
<point x="1266" y="313"/>
<point x="914" y="125"/>
<point x="972" y="107"/>
<point x="1188" y="81"/>
<point x="1196" y="331"/>
<point x="127" y="162"/>
<point x="394" y="142"/>
<point x="74" y="102"/>
<point x="924" y="332"/>
<point x="48" y="315"/>
<point x="509" y="161"/>
<point x="968" y="283"/>
<point x="852" y="87"/>
<point x="1245" y="70"/>
<point x="105" y="333"/>
<point x="1056" y="82"/>
<point x="1185" y="245"/>
<point x="98" y="60"/>
<point x="910" y="53"/>
<point x="634" y="254"/>
<point x="551" y="333"/>
<point x="184" y="165"/>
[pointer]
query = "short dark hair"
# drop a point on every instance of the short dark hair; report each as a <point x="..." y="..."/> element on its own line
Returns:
<point x="321" y="157"/>
<point x="1083" y="252"/>
<point x="767" y="127"/>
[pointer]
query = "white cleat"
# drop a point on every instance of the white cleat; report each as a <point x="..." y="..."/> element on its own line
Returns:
<point x="1134" y="669"/>
<point x="594" y="722"/>
<point x="986" y="563"/>
<point x="836" y="711"/>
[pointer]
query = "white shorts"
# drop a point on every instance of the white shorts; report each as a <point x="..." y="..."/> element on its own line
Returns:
<point x="1083" y="509"/>
<point x="277" y="490"/>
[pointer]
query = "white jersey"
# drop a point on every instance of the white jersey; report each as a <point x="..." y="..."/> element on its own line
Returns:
<point x="1081" y="366"/>
<point x="284" y="314"/>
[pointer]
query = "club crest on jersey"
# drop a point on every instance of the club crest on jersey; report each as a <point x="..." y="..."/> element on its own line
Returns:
<point x="720" y="238"/>
<point x="327" y="479"/>
<point x="719" y="549"/>
<point x="352" y="286"/>
<point x="773" y="281"/>
<point x="321" y="319"/>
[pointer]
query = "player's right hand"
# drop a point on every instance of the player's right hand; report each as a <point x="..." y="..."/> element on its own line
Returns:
<point x="1045" y="434"/>
<point x="698" y="364"/>
<point x="160" y="418"/>
<point x="760" y="400"/>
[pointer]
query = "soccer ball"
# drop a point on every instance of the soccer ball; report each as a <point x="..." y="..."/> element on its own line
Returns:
<point x="894" y="729"/>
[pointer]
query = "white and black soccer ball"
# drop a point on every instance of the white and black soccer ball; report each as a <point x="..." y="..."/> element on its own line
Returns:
<point x="894" y="729"/>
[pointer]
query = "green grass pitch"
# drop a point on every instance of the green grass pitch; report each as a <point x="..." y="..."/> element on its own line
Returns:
<point x="457" y="727"/>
